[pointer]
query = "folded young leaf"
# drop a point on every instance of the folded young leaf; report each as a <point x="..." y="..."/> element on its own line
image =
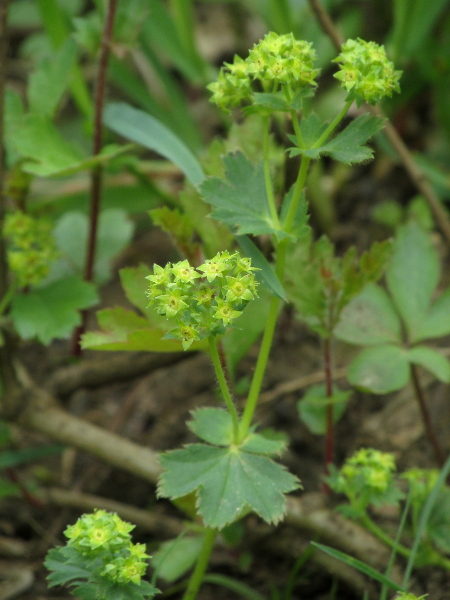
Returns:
<point x="228" y="481"/>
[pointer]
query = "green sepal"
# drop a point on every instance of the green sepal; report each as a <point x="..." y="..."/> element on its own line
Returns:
<point x="312" y="408"/>
<point x="240" y="200"/>
<point x="380" y="369"/>
<point x="228" y="482"/>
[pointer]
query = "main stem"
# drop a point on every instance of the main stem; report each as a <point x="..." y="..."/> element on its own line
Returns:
<point x="215" y="357"/>
<point x="429" y="429"/>
<point x="269" y="330"/>
<point x="97" y="172"/>
<point x="196" y="578"/>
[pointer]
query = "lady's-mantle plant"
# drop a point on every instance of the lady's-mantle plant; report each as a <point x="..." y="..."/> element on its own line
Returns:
<point x="231" y="472"/>
<point x="100" y="561"/>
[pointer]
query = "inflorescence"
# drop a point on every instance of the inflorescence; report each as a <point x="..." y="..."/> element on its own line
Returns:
<point x="275" y="61"/>
<point x="105" y="537"/>
<point x="365" y="71"/>
<point x="202" y="301"/>
<point x="31" y="248"/>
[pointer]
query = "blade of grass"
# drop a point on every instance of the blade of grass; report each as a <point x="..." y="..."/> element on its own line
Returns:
<point x="229" y="583"/>
<point x="58" y="31"/>
<point x="424" y="516"/>
<point x="142" y="128"/>
<point x="359" y="566"/>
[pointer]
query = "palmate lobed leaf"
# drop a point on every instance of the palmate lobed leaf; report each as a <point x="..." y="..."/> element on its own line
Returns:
<point x="52" y="311"/>
<point x="228" y="481"/>
<point x="349" y="145"/>
<point x="240" y="201"/>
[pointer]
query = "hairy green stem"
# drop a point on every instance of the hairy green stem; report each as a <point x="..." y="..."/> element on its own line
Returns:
<point x="269" y="330"/>
<point x="200" y="567"/>
<point x="267" y="176"/>
<point x="332" y="126"/>
<point x="383" y="536"/>
<point x="329" y="435"/>
<point x="215" y="357"/>
<point x="260" y="368"/>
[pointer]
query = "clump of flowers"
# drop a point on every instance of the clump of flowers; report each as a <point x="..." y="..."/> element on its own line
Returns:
<point x="408" y="596"/>
<point x="31" y="247"/>
<point x="367" y="478"/>
<point x="274" y="62"/>
<point x="100" y="550"/>
<point x="204" y="301"/>
<point x="366" y="72"/>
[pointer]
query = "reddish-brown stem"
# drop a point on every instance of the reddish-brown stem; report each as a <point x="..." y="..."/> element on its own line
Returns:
<point x="96" y="175"/>
<point x="329" y="434"/>
<point x="429" y="429"/>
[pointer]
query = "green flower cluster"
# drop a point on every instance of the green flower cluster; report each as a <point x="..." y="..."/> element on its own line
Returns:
<point x="275" y="61"/>
<point x="365" y="71"/>
<point x="31" y="248"/>
<point x="408" y="596"/>
<point x="105" y="537"/>
<point x="203" y="301"/>
<point x="366" y="478"/>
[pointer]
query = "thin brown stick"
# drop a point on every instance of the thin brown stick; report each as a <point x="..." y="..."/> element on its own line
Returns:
<point x="415" y="173"/>
<point x="429" y="428"/>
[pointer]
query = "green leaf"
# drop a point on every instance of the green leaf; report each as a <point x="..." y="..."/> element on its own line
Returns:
<point x="135" y="285"/>
<point x="412" y="276"/>
<point x="228" y="481"/>
<point x="175" y="557"/>
<point x="369" y="319"/>
<point x="12" y="458"/>
<point x="144" y="129"/>
<point x="432" y="360"/>
<point x="65" y="565"/>
<point x="272" y="102"/>
<point x="240" y="200"/>
<point x="436" y="322"/>
<point x="49" y="81"/>
<point x="125" y="330"/>
<point x="348" y="145"/>
<point x="52" y="311"/>
<point x="360" y="566"/>
<point x="312" y="408"/>
<point x="266" y="442"/>
<point x="380" y="370"/>
<point x="266" y="275"/>
<point x="213" y="425"/>
<point x="438" y="524"/>
<point x="114" y="233"/>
